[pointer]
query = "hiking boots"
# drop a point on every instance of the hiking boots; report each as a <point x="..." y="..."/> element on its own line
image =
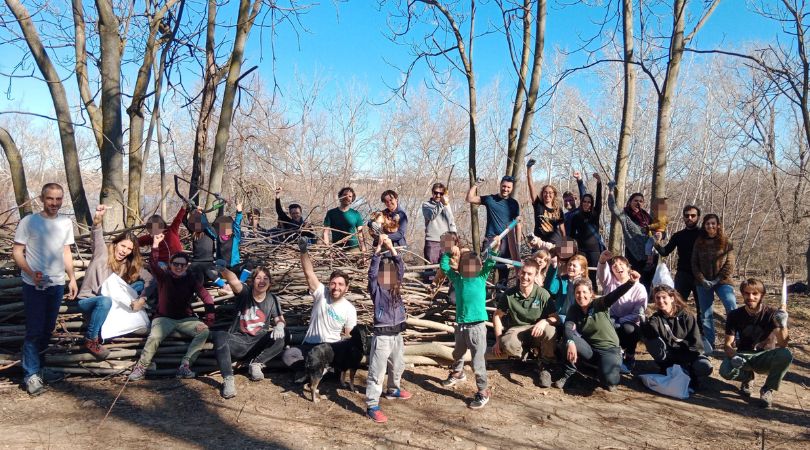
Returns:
<point x="255" y="372"/>
<point x="184" y="371"/>
<point x="228" y="387"/>
<point x="560" y="383"/>
<point x="544" y="378"/>
<point x="746" y="388"/>
<point x="138" y="372"/>
<point x="454" y="378"/>
<point x="96" y="349"/>
<point x="480" y="399"/>
<point x="34" y="385"/>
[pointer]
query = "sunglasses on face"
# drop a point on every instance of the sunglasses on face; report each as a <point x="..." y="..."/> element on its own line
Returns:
<point x="179" y="265"/>
<point x="690" y="215"/>
<point x="438" y="193"/>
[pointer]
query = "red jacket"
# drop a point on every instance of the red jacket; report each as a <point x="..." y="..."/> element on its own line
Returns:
<point x="171" y="244"/>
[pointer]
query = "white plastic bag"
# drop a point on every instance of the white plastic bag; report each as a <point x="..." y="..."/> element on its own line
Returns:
<point x="121" y="319"/>
<point x="663" y="276"/>
<point x="674" y="384"/>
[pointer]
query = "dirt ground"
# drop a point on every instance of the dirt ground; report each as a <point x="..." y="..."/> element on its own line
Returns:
<point x="168" y="413"/>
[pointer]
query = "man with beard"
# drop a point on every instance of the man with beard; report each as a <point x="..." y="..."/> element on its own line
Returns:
<point x="752" y="326"/>
<point x="343" y="225"/>
<point x="332" y="317"/>
<point x="684" y="242"/>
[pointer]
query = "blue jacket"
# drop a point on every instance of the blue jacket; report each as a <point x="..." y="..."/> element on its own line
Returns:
<point x="228" y="251"/>
<point x="389" y="310"/>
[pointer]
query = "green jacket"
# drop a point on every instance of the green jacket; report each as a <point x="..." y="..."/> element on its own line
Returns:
<point x="471" y="293"/>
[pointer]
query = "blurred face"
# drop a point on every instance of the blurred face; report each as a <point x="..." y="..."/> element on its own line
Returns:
<point x="752" y="298"/>
<point x="346" y="198"/>
<point x="526" y="276"/>
<point x="586" y="204"/>
<point x="338" y="288"/>
<point x="547" y="195"/>
<point x="52" y="201"/>
<point x="567" y="249"/>
<point x="659" y="208"/>
<point x="261" y="282"/>
<point x="690" y="218"/>
<point x="664" y="302"/>
<point x="506" y="188"/>
<point x="575" y="269"/>
<point x="122" y="250"/>
<point x="637" y="203"/>
<point x="178" y="266"/>
<point x="448" y="241"/>
<point x="295" y="214"/>
<point x="224" y="229"/>
<point x="154" y="228"/>
<point x="583" y="295"/>
<point x="386" y="277"/>
<point x="620" y="270"/>
<point x="195" y="222"/>
<point x="470" y="265"/>
<point x="390" y="202"/>
<point x="710" y="226"/>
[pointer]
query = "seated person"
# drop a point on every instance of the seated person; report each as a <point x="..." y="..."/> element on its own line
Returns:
<point x="332" y="317"/>
<point x="559" y="284"/>
<point x="176" y="289"/>
<point x="750" y="327"/>
<point x="672" y="336"/>
<point x="530" y="317"/>
<point x="257" y="330"/>
<point x="589" y="333"/>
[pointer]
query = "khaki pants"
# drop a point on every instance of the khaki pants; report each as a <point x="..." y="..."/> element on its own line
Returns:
<point x="164" y="326"/>
<point x="516" y="341"/>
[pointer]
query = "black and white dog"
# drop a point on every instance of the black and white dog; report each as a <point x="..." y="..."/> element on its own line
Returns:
<point x="343" y="357"/>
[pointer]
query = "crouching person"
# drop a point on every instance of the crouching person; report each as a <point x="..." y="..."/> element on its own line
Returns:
<point x="176" y="288"/>
<point x="529" y="317"/>
<point x="672" y="336"/>
<point x="590" y="335"/>
<point x="751" y="327"/>
<point x="257" y="330"/>
<point x="387" y="347"/>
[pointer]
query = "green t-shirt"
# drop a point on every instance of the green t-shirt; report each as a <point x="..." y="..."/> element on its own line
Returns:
<point x="344" y="223"/>
<point x="526" y="310"/>
<point x="471" y="293"/>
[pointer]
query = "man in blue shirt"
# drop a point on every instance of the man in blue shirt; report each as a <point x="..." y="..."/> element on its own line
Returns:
<point x="501" y="210"/>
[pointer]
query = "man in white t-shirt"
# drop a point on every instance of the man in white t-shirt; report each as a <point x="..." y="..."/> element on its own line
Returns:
<point x="42" y="252"/>
<point x="333" y="316"/>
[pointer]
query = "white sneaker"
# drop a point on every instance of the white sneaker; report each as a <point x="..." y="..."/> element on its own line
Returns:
<point x="255" y="371"/>
<point x="34" y="385"/>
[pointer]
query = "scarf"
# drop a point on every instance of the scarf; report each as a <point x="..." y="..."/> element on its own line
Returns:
<point x="641" y="218"/>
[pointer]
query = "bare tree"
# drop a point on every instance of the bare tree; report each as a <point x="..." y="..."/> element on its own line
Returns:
<point x="15" y="165"/>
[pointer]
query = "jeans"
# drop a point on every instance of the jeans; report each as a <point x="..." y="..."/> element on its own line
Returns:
<point x="474" y="338"/>
<point x="164" y="326"/>
<point x="41" y="309"/>
<point x="607" y="361"/>
<point x="239" y="345"/>
<point x="774" y="362"/>
<point x="97" y="308"/>
<point x="138" y="286"/>
<point x="387" y="352"/>
<point x="705" y="300"/>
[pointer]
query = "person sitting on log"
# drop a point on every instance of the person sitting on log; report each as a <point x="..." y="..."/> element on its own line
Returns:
<point x="560" y="284"/>
<point x="589" y="333"/>
<point x="171" y="243"/>
<point x="752" y="327"/>
<point x="387" y="346"/>
<point x="176" y="289"/>
<point x="343" y="225"/>
<point x="333" y="316"/>
<point x="257" y="331"/>
<point x="117" y="259"/>
<point x="530" y="318"/>
<point x="203" y="240"/>
<point x="672" y="336"/>
<point x="470" y="282"/>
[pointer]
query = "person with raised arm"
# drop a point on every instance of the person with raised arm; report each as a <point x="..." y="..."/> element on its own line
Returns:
<point x="502" y="210"/>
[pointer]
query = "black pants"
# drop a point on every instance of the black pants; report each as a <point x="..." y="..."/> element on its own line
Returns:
<point x="685" y="285"/>
<point x="259" y="349"/>
<point x="647" y="271"/>
<point x="694" y="364"/>
<point x="593" y="261"/>
<point x="607" y="361"/>
<point x="203" y="270"/>
<point x="628" y="338"/>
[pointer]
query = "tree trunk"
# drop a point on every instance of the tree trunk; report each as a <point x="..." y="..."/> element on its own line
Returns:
<point x="112" y="148"/>
<point x="520" y="92"/>
<point x="61" y="108"/>
<point x="626" y="132"/>
<point x="15" y="166"/>
<point x="247" y="15"/>
<point x="82" y="77"/>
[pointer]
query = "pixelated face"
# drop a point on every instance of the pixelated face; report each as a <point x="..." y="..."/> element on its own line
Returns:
<point x="178" y="266"/>
<point x="664" y="302"/>
<point x="261" y="282"/>
<point x="526" y="276"/>
<point x="52" y="201"/>
<point x="752" y="297"/>
<point x="387" y="276"/>
<point x="448" y="241"/>
<point x="711" y="227"/>
<point x="567" y="249"/>
<point x="295" y="214"/>
<point x="390" y="202"/>
<point x="470" y="265"/>
<point x="225" y="229"/>
<point x="338" y="288"/>
<point x="195" y="223"/>
<point x="154" y="227"/>
<point x="575" y="269"/>
<point x="586" y="204"/>
<point x="583" y="295"/>
<point x="690" y="218"/>
<point x="620" y="270"/>
<point x="122" y="250"/>
<point x="506" y="188"/>
<point x="659" y="208"/>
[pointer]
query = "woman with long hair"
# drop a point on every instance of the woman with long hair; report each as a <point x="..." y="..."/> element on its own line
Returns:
<point x="671" y="336"/>
<point x="713" y="261"/>
<point x="635" y="228"/>
<point x="549" y="220"/>
<point x="585" y="227"/>
<point x="120" y="258"/>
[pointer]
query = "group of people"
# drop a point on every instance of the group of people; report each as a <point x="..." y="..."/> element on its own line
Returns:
<point x="551" y="313"/>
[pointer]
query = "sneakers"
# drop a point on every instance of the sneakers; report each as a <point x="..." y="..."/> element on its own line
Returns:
<point x="746" y="387"/>
<point x="51" y="376"/>
<point x="398" y="394"/>
<point x="138" y="372"/>
<point x="376" y="414"/>
<point x="480" y="399"/>
<point x="228" y="387"/>
<point x="544" y="379"/>
<point x="34" y="386"/>
<point x="255" y="372"/>
<point x="766" y="397"/>
<point x="184" y="372"/>
<point x="560" y="383"/>
<point x="611" y="388"/>
<point x="454" y="378"/>
<point x="94" y="346"/>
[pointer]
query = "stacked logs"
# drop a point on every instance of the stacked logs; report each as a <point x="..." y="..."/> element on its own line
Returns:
<point x="429" y="336"/>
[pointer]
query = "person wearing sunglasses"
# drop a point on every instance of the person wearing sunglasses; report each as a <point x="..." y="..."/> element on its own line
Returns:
<point x="438" y="221"/>
<point x="176" y="289"/>
<point x="684" y="242"/>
